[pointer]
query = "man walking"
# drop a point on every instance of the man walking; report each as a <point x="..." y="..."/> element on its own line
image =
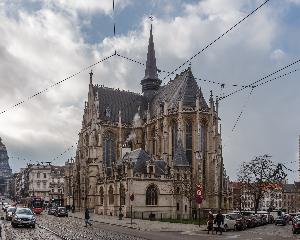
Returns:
<point x="87" y="218"/>
<point x="219" y="221"/>
<point x="210" y="222"/>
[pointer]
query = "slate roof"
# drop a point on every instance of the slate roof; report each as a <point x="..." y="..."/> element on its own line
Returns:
<point x="116" y="100"/>
<point x="289" y="188"/>
<point x="139" y="158"/>
<point x="184" y="87"/>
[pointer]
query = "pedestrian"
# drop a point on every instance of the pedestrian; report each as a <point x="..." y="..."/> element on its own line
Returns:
<point x="87" y="218"/>
<point x="210" y="222"/>
<point x="73" y="208"/>
<point x="219" y="221"/>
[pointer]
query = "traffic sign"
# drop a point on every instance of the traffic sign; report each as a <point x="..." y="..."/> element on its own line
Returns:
<point x="199" y="194"/>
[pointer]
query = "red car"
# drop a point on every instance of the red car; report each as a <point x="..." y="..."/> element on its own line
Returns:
<point x="296" y="225"/>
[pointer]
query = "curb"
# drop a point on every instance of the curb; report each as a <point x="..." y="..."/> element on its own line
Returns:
<point x="132" y="227"/>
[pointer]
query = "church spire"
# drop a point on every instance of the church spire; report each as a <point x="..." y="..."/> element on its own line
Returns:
<point x="151" y="69"/>
<point x="150" y="82"/>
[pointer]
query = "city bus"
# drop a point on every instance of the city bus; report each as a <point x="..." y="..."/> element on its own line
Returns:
<point x="36" y="204"/>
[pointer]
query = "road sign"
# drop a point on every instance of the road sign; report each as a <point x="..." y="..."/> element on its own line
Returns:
<point x="199" y="194"/>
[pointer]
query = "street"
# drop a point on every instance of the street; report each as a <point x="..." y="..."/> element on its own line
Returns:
<point x="52" y="228"/>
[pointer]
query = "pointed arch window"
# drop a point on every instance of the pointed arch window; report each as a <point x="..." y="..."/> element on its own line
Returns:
<point x="122" y="194"/>
<point x="101" y="193"/>
<point x="174" y="138"/>
<point x="109" y="149"/>
<point x="153" y="141"/>
<point x="189" y="141"/>
<point x="203" y="132"/>
<point x="111" y="195"/>
<point x="152" y="195"/>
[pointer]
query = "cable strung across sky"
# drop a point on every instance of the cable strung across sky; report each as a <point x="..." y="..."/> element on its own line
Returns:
<point x="264" y="78"/>
<point x="218" y="38"/>
<point x="57" y="83"/>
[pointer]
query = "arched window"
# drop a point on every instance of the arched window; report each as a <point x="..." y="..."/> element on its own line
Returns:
<point x="111" y="195"/>
<point x="203" y="131"/>
<point x="151" y="195"/>
<point x="122" y="194"/>
<point x="174" y="138"/>
<point x="101" y="193"/>
<point x="153" y="140"/>
<point x="189" y="141"/>
<point x="86" y="139"/>
<point x="109" y="149"/>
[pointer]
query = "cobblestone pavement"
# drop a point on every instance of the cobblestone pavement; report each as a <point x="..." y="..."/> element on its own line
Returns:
<point x="26" y="233"/>
<point x="72" y="228"/>
<point x="143" y="225"/>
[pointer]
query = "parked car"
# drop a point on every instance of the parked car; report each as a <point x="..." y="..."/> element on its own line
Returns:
<point x="240" y="220"/>
<point x="23" y="217"/>
<point x="61" y="212"/>
<point x="281" y="220"/>
<point x="229" y="223"/>
<point x="52" y="210"/>
<point x="9" y="213"/>
<point x="296" y="225"/>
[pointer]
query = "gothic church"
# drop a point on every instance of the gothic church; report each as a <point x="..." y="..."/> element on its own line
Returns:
<point x="149" y="151"/>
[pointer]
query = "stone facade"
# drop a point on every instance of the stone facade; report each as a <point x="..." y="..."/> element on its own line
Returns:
<point x="5" y="171"/>
<point x="156" y="147"/>
<point x="69" y="183"/>
<point x="43" y="180"/>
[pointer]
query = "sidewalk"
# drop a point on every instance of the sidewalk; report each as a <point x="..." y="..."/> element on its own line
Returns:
<point x="144" y="225"/>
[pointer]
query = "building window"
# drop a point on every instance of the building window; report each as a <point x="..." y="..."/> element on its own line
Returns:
<point x="151" y="195"/>
<point x="174" y="138"/>
<point x="122" y="194"/>
<point x="109" y="148"/>
<point x="111" y="195"/>
<point x="101" y="196"/>
<point x="185" y="208"/>
<point x="189" y="141"/>
<point x="38" y="175"/>
<point x="45" y="175"/>
<point x="153" y="140"/>
<point x="177" y="206"/>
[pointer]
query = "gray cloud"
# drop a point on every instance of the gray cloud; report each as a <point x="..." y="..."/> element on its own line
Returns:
<point x="40" y="48"/>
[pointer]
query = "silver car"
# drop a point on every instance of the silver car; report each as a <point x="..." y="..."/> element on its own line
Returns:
<point x="23" y="217"/>
<point x="9" y="213"/>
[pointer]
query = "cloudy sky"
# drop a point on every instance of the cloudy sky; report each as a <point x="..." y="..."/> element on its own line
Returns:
<point x="45" y="41"/>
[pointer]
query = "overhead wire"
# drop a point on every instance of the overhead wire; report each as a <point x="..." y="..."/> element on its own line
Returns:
<point x="243" y="110"/>
<point x="262" y="79"/>
<point x="218" y="38"/>
<point x="55" y="84"/>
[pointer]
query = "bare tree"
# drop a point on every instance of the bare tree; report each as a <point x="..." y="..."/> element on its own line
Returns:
<point x="259" y="176"/>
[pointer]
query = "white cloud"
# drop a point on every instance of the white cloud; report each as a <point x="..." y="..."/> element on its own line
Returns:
<point x="278" y="55"/>
<point x="90" y="6"/>
<point x="46" y="46"/>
